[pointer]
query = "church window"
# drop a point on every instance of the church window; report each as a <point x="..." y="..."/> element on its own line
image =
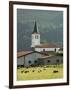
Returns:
<point x="43" y="50"/>
<point x="36" y="37"/>
<point x="48" y="61"/>
<point x="57" y="60"/>
<point x="35" y="61"/>
<point x="29" y="62"/>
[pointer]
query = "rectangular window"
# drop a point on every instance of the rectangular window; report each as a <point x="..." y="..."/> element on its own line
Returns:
<point x="36" y="37"/>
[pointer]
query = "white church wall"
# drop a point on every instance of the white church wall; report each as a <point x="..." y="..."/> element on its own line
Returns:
<point x="46" y="49"/>
<point x="39" y="49"/>
<point x="35" y="40"/>
<point x="57" y="49"/>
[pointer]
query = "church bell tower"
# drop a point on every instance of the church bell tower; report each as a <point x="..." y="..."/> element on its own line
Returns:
<point x="35" y="37"/>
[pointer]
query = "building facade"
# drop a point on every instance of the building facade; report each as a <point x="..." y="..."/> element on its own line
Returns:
<point x="51" y="60"/>
<point x="29" y="58"/>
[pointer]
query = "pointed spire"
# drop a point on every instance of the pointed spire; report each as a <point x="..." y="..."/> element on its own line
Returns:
<point x="35" y="28"/>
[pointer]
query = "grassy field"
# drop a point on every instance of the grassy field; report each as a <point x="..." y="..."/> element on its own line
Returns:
<point x="39" y="73"/>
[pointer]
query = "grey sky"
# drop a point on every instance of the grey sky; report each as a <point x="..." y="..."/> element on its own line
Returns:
<point x="50" y="26"/>
<point x="45" y="19"/>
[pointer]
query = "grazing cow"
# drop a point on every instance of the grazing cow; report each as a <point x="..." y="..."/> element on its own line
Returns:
<point x="39" y="71"/>
<point x="33" y="70"/>
<point x="22" y="71"/>
<point x="45" y="66"/>
<point x="26" y="71"/>
<point x="55" y="71"/>
<point x="44" y="69"/>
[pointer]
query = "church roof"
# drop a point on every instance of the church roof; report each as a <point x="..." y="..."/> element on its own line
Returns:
<point x="35" y="29"/>
<point x="47" y="45"/>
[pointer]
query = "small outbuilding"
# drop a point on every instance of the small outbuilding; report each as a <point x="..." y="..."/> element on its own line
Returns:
<point x="32" y="58"/>
<point x="51" y="60"/>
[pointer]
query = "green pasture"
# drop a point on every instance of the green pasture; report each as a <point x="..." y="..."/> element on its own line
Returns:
<point x="39" y="73"/>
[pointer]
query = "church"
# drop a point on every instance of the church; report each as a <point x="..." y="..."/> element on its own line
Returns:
<point x="37" y="46"/>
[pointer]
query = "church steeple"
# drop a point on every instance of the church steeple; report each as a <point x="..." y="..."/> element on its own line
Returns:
<point x="35" y="29"/>
<point x="35" y="36"/>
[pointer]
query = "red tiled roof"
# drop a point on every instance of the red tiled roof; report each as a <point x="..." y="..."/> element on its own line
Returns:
<point x="24" y="53"/>
<point x="48" y="45"/>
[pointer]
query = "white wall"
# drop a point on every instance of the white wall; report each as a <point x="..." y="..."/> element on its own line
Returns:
<point x="34" y="40"/>
<point x="46" y="49"/>
<point x="4" y="45"/>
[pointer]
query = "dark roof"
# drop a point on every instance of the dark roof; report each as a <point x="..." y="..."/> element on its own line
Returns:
<point x="47" y="45"/>
<point x="35" y="29"/>
<point x="24" y="53"/>
<point x="45" y="57"/>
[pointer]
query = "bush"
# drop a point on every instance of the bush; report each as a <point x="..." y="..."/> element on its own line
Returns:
<point x="59" y="54"/>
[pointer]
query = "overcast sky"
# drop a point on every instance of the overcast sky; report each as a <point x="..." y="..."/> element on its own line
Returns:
<point x="49" y="23"/>
<point x="44" y="18"/>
